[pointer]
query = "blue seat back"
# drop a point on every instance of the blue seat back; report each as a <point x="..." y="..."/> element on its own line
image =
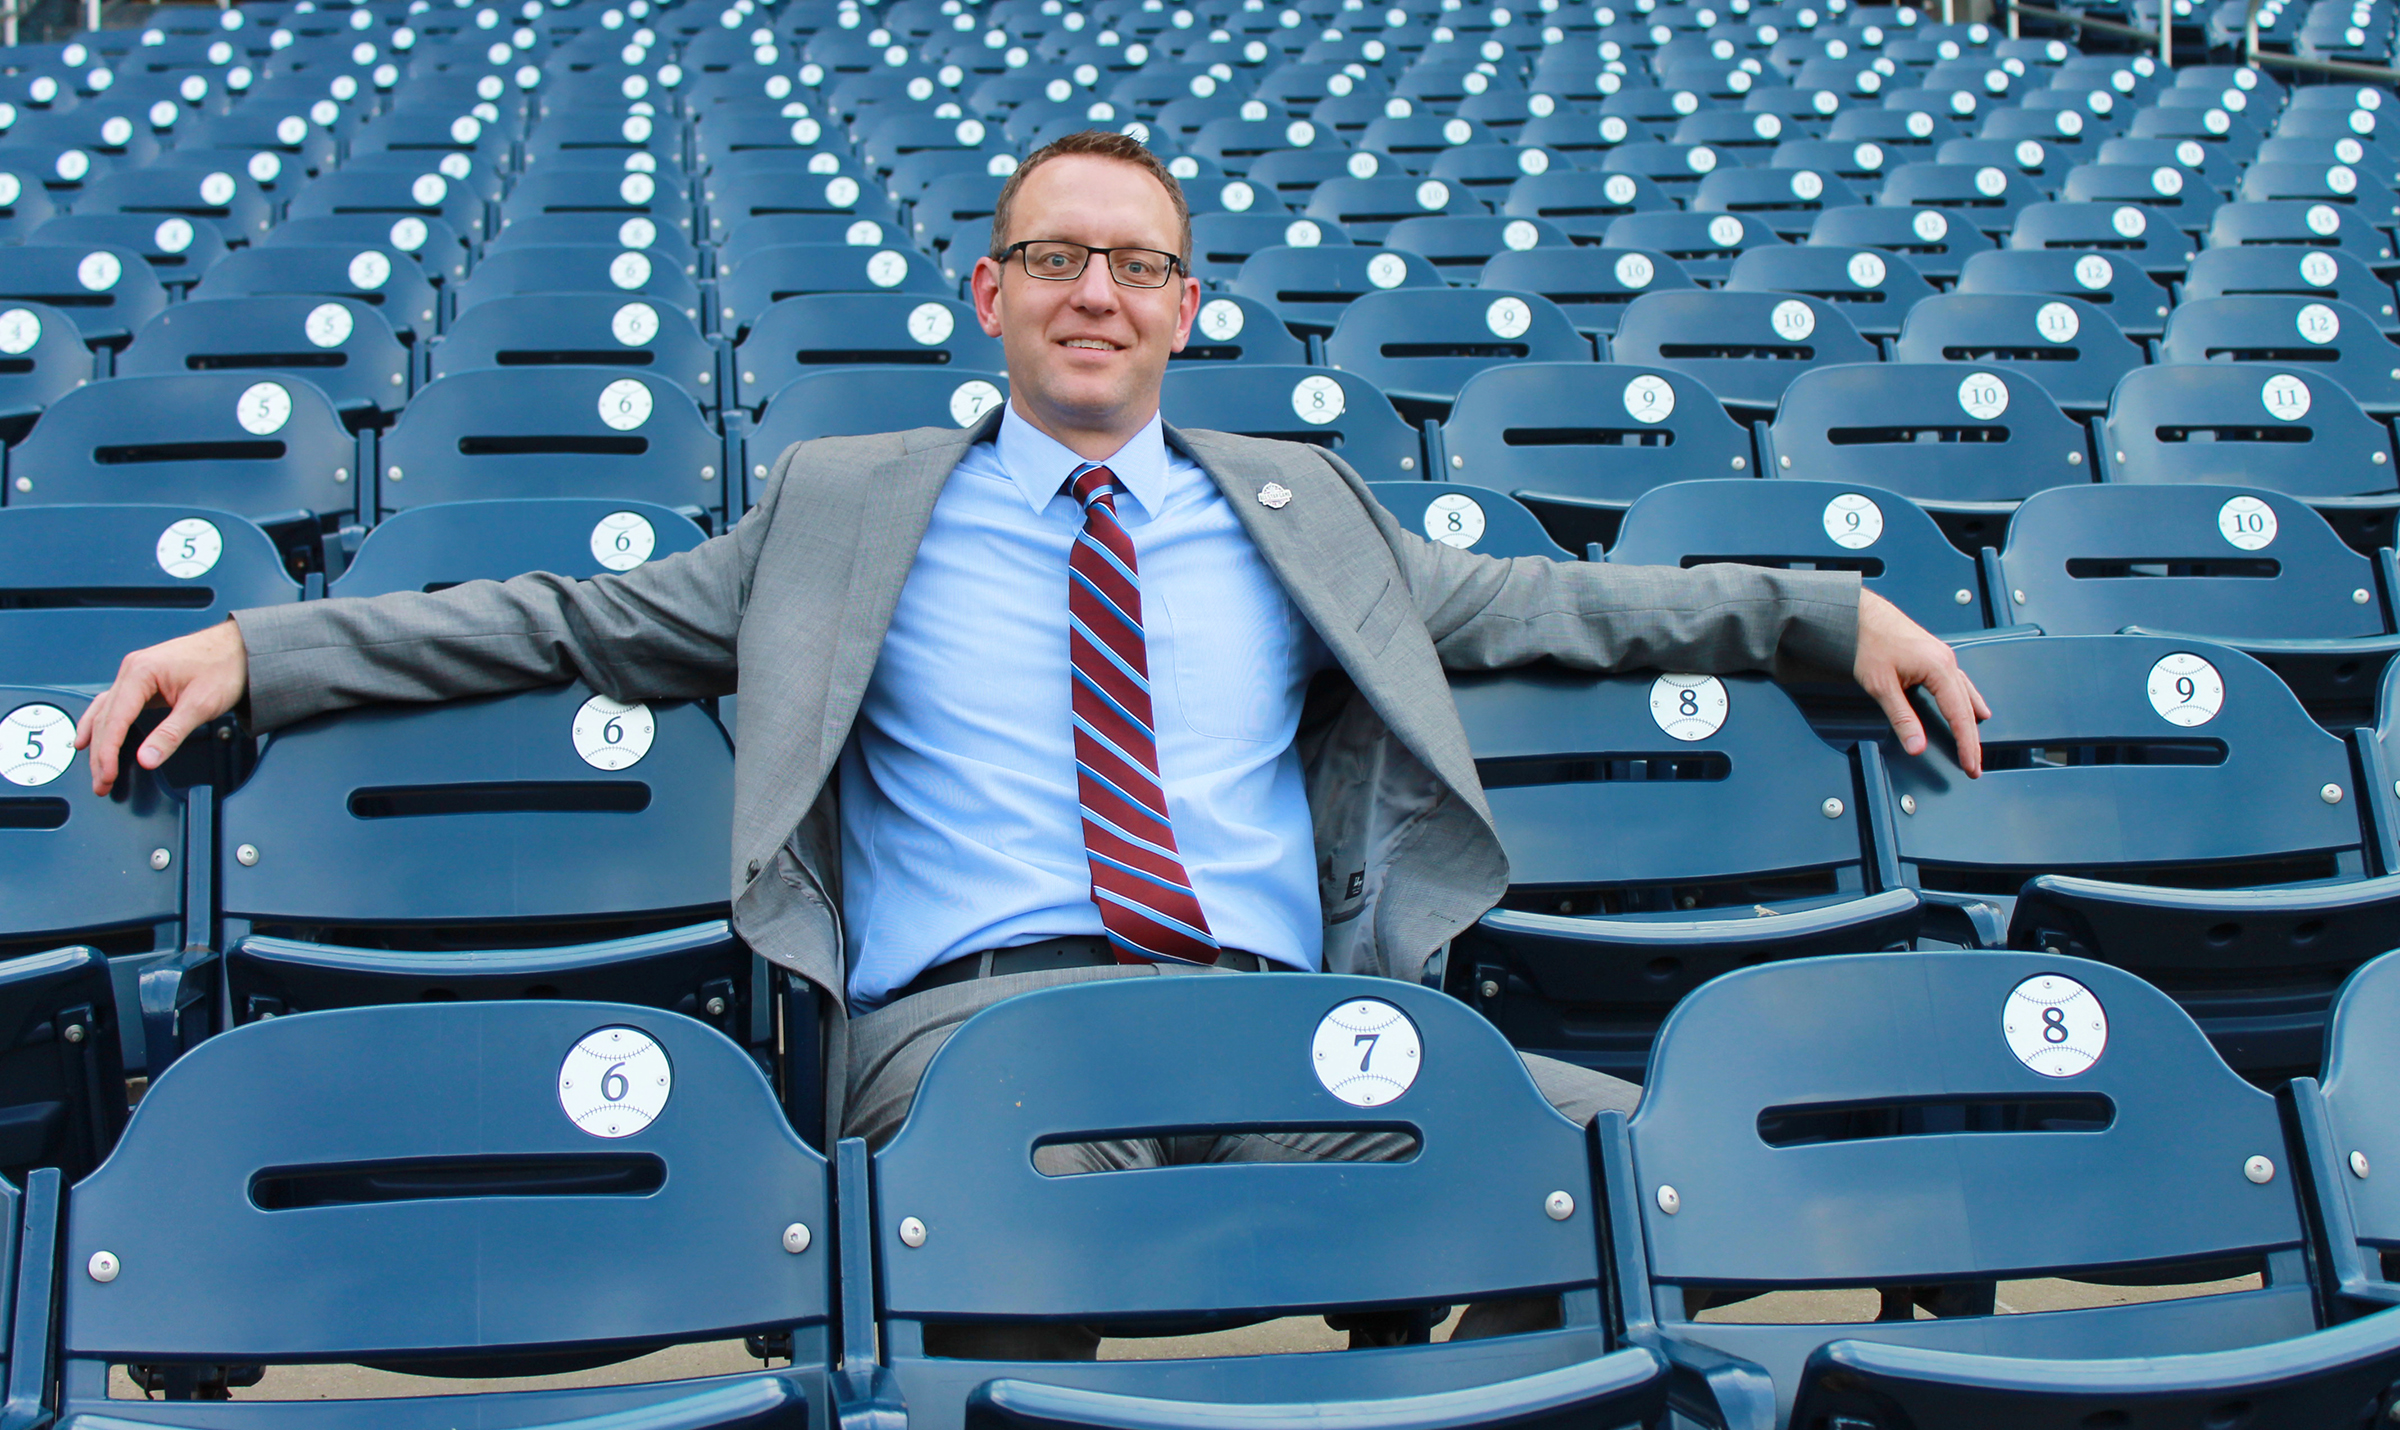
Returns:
<point x="440" y="253"/>
<point x="428" y="548"/>
<point x="2299" y="223"/>
<point x="2071" y="348"/>
<point x="1590" y="285"/>
<point x="1340" y="411"/>
<point x="2318" y="274"/>
<point x="1470" y="518"/>
<point x="2358" y="1068"/>
<point x="2244" y="424"/>
<point x="42" y="358"/>
<point x="746" y="290"/>
<point x="83" y="866"/>
<point x="223" y="195"/>
<point x="581" y="268"/>
<point x="1747" y="347"/>
<point x="2336" y="340"/>
<point x="340" y="345"/>
<point x="268" y="1150"/>
<point x="551" y="432"/>
<point x="599" y="191"/>
<point x="261" y="446"/>
<point x="1900" y="554"/>
<point x="1232" y="328"/>
<point x="1932" y="239"/>
<point x="1593" y="433"/>
<point x="1002" y="1239"/>
<point x="108" y="292"/>
<point x="1423" y="346"/>
<point x="391" y="193"/>
<point x="1874" y="290"/>
<point x="1704" y="244"/>
<point x="2149" y="785"/>
<point x="1933" y="432"/>
<point x="856" y="401"/>
<point x="62" y="1074"/>
<point x="627" y="331"/>
<point x="177" y="249"/>
<point x="1309" y="287"/>
<point x="645" y="235"/>
<point x="2171" y="193"/>
<point x="2131" y="298"/>
<point x="384" y="279"/>
<point x="796" y="336"/>
<point x="1987" y="195"/>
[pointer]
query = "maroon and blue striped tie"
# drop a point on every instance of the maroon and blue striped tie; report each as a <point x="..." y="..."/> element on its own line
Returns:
<point x="1146" y="900"/>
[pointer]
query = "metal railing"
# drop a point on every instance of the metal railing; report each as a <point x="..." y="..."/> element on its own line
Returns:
<point x="2164" y="37"/>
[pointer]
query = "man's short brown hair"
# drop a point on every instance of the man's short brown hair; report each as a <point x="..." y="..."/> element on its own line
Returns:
<point x="1101" y="144"/>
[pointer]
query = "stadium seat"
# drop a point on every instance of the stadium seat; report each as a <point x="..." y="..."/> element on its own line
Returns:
<point x="1927" y="238"/>
<point x="440" y="254"/>
<point x="2345" y="1126"/>
<point x="1420" y="346"/>
<point x="1476" y="519"/>
<point x="263" y="1143"/>
<point x="1463" y="244"/>
<point x="2336" y="340"/>
<point x="1859" y="165"/>
<point x="551" y="432"/>
<point x="1921" y="1095"/>
<point x="2131" y="298"/>
<point x="960" y="1182"/>
<point x="642" y="235"/>
<point x="1986" y="195"/>
<point x="618" y="196"/>
<point x="1339" y="411"/>
<point x="1898" y="551"/>
<point x="1222" y="242"/>
<point x="271" y="449"/>
<point x="1366" y="209"/>
<point x="770" y="275"/>
<point x="179" y="250"/>
<point x="584" y="330"/>
<point x="2126" y="233"/>
<point x="1590" y="285"/>
<point x="107" y="292"/>
<point x="2267" y="181"/>
<point x="2303" y="273"/>
<point x="1746" y="347"/>
<point x="1874" y="290"/>
<point x="1660" y="830"/>
<point x="580" y="268"/>
<point x="2165" y="805"/>
<point x="1309" y="287"/>
<point x="799" y="335"/>
<point x="62" y="1076"/>
<point x="855" y="401"/>
<point x="386" y="280"/>
<point x="1786" y="199"/>
<point x="340" y="345"/>
<point x="429" y="548"/>
<point x="2068" y="346"/>
<point x="1705" y="245"/>
<point x="2168" y="191"/>
<point x="42" y="358"/>
<point x="1232" y="328"/>
<point x="226" y="198"/>
<point x="2296" y="223"/>
<point x="1583" y="205"/>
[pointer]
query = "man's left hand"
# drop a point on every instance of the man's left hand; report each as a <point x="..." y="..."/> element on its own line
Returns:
<point x="1896" y="655"/>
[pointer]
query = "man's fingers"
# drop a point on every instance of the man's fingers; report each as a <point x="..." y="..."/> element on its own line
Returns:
<point x="1955" y="695"/>
<point x="108" y="725"/>
<point x="1903" y="715"/>
<point x="170" y="733"/>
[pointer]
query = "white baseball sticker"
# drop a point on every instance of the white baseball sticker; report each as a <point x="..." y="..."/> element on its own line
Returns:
<point x="37" y="743"/>
<point x="970" y="400"/>
<point x="2166" y="182"/>
<point x="1930" y="227"/>
<point x="20" y="329"/>
<point x="1792" y="320"/>
<point x="1649" y="398"/>
<point x="1688" y="707"/>
<point x="1619" y="188"/>
<point x="2130" y="221"/>
<point x="1363" y="165"/>
<point x="1991" y="182"/>
<point x="369" y="269"/>
<point x="1853" y="521"/>
<point x="2191" y="155"/>
<point x="2318" y="323"/>
<point x="72" y="165"/>
<point x="1635" y="270"/>
<point x="2094" y="272"/>
<point x="2285" y="396"/>
<point x="623" y="540"/>
<point x="2341" y="179"/>
<point x="1868" y="156"/>
<point x="2186" y="690"/>
<point x="634" y="324"/>
<point x="1221" y="319"/>
<point x="2324" y="220"/>
<point x="429" y="190"/>
<point x="614" y="1082"/>
<point x="263" y="408"/>
<point x="189" y="548"/>
<point x="1454" y="519"/>
<point x="1518" y="235"/>
<point x="2029" y="151"/>
<point x="1387" y="270"/>
<point x="328" y="325"/>
<point x="99" y="271"/>
<point x="1317" y="400"/>
<point x="841" y="191"/>
<point x="173" y="235"/>
<point x="1433" y="196"/>
<point x="625" y="404"/>
<point x="1366" y="1052"/>
<point x="11" y="189"/>
<point x="2056" y="322"/>
<point x="217" y="190"/>
<point x="2248" y="523"/>
<point x="637" y="188"/>
<point x="1508" y="318"/>
<point x="1237" y="197"/>
<point x="612" y="736"/>
<point x="1725" y="230"/>
<point x="409" y="234"/>
<point x="931" y="324"/>
<point x="866" y="233"/>
<point x="1303" y="233"/>
<point x="1866" y="269"/>
<point x="1808" y="186"/>
<point x="1700" y="159"/>
<point x="2319" y="269"/>
<point x="629" y="270"/>
<point x="116" y="131"/>
<point x="886" y="269"/>
<point x="637" y="232"/>
<point x="1983" y="395"/>
<point x="2054" y="1025"/>
<point x="1533" y="161"/>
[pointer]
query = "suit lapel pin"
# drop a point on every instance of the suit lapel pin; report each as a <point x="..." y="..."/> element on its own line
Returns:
<point x="1274" y="496"/>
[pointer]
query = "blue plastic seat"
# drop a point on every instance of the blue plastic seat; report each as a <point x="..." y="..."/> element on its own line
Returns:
<point x="2298" y="223"/>
<point x="2256" y="570"/>
<point x="770" y="275"/>
<point x="856" y="401"/>
<point x="1339" y="411"/>
<point x="1583" y="205"/>
<point x="1309" y="287"/>
<point x="2069" y="347"/>
<point x="1917" y="1094"/>
<point x="1590" y="285"/>
<point x="1928" y="238"/>
<point x="1660" y="830"/>
<point x="581" y="268"/>
<point x="1471" y="518"/>
<point x="645" y="235"/>
<point x="1859" y="164"/>
<point x="1232" y="328"/>
<point x="42" y="358"/>
<point x="1987" y="196"/>
<point x="1222" y="242"/>
<point x="1874" y="290"/>
<point x="2127" y="233"/>
<point x="2169" y="191"/>
<point x="1420" y="346"/>
<point x="598" y="191"/>
<point x="2345" y="1124"/>
<point x="2340" y="185"/>
<point x="2165" y="805"/>
<point x="107" y="292"/>
<point x="178" y="250"/>
<point x="1704" y="244"/>
<point x="1463" y="244"/>
<point x="223" y="196"/>
<point x="1746" y="347"/>
<point x="1898" y="550"/>
<point x="2137" y="303"/>
<point x="440" y="254"/>
<point x="583" y="329"/>
<point x="340" y="345"/>
<point x="2324" y="274"/>
<point x="387" y="281"/>
<point x="798" y="335"/>
<point x="1254" y="1239"/>
<point x="62" y="1076"/>
<point x="2212" y="164"/>
<point x="2335" y="340"/>
<point x="428" y="548"/>
<point x="264" y="1146"/>
<point x="1368" y="208"/>
<point x="551" y="432"/>
<point x="391" y="194"/>
<point x="1788" y="200"/>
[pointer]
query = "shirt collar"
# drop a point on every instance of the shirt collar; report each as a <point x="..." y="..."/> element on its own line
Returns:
<point x="1040" y="465"/>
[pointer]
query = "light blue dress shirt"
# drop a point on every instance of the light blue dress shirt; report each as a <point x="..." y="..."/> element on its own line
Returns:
<point x="960" y="827"/>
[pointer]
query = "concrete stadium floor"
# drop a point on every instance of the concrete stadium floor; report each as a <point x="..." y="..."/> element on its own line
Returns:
<point x="1270" y="1338"/>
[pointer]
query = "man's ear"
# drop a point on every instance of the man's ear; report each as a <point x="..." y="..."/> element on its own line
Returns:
<point x="986" y="284"/>
<point x="1184" y="315"/>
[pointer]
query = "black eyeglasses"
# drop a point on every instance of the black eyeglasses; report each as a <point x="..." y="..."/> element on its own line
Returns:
<point x="1061" y="261"/>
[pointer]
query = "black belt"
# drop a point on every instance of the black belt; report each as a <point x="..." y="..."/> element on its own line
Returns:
<point x="1050" y="953"/>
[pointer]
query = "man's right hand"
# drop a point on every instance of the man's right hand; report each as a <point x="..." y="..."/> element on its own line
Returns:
<point x="199" y="676"/>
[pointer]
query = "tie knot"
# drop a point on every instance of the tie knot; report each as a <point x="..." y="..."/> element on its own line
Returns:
<point x="1090" y="483"/>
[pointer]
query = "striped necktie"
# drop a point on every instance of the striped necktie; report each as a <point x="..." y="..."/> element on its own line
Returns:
<point x="1146" y="901"/>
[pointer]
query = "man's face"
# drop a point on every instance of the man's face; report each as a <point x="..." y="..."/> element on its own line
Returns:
<point x="1086" y="356"/>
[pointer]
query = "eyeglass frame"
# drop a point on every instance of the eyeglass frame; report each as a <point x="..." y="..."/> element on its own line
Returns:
<point x="1175" y="265"/>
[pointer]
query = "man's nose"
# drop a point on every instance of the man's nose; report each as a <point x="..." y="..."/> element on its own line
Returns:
<point x="1095" y="289"/>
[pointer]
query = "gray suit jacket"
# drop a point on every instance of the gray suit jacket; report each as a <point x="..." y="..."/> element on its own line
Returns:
<point x="791" y="606"/>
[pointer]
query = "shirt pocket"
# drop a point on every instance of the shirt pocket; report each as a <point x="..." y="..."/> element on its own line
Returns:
<point x="1234" y="664"/>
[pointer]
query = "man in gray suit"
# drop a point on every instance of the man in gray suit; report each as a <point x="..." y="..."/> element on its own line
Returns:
<point x="1068" y="695"/>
